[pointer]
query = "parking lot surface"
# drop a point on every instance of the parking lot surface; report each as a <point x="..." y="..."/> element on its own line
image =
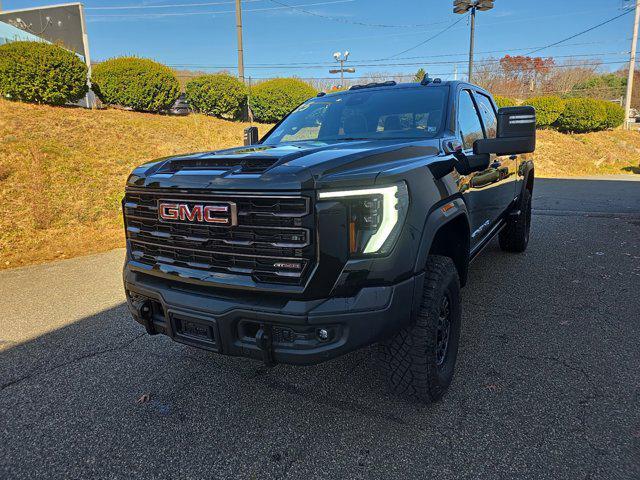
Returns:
<point x="547" y="384"/>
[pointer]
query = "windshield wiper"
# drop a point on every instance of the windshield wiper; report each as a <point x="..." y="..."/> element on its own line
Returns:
<point x="345" y="139"/>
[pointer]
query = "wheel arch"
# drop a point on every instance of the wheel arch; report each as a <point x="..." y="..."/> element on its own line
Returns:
<point x="440" y="228"/>
<point x="529" y="180"/>
<point x="528" y="177"/>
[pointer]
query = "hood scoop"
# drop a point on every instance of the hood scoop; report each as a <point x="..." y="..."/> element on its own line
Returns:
<point x="238" y="161"/>
<point x="235" y="164"/>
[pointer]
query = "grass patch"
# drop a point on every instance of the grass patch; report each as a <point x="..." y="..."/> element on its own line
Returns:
<point x="63" y="170"/>
<point x="599" y="153"/>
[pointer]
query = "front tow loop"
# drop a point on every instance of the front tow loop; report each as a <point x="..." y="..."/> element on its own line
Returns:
<point x="264" y="341"/>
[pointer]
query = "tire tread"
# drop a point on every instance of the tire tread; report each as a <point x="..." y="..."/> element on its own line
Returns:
<point x="514" y="237"/>
<point x="408" y="368"/>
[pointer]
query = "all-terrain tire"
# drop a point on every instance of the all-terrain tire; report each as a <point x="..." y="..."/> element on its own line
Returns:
<point x="514" y="237"/>
<point x="413" y="360"/>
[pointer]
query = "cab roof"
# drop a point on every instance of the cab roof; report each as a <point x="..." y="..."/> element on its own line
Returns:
<point x="431" y="83"/>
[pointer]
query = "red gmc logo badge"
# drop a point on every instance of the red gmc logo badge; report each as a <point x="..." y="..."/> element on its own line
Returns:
<point x="224" y="214"/>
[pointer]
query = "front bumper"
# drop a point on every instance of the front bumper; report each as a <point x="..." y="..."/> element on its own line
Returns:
<point x="234" y="323"/>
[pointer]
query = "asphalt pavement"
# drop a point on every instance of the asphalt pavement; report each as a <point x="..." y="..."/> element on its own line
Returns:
<point x="547" y="384"/>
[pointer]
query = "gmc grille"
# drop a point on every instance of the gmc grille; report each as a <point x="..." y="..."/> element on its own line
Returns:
<point x="273" y="241"/>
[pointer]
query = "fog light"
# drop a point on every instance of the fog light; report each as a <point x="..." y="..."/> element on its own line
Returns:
<point x="145" y="310"/>
<point x="323" y="334"/>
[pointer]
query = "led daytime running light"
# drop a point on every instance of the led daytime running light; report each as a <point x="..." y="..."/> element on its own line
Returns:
<point x="389" y="212"/>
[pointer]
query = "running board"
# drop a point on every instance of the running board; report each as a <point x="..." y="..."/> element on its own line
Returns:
<point x="486" y="239"/>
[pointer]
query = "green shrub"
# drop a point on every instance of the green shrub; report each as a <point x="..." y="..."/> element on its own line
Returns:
<point x="137" y="83"/>
<point x="615" y="114"/>
<point x="582" y="115"/>
<point x="273" y="99"/>
<point x="505" y="101"/>
<point x="220" y="95"/>
<point x="548" y="109"/>
<point x="41" y="73"/>
<point x="609" y="84"/>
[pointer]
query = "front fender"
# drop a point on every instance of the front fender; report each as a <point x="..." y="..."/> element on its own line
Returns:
<point x="440" y="215"/>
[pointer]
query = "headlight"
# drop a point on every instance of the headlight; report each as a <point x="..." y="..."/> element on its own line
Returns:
<point x="375" y="216"/>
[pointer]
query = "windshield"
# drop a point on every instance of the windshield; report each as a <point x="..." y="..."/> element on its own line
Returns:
<point x="394" y="113"/>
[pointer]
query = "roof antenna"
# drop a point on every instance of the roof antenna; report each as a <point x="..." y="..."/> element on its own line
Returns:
<point x="426" y="80"/>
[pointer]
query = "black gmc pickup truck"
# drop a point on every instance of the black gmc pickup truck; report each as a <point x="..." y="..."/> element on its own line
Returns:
<point x="352" y="222"/>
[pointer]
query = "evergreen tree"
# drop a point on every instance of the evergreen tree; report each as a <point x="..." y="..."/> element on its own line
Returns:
<point x="419" y="75"/>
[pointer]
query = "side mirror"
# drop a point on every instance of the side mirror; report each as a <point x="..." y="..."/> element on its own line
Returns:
<point x="516" y="133"/>
<point x="250" y="136"/>
<point x="465" y="164"/>
<point x="472" y="163"/>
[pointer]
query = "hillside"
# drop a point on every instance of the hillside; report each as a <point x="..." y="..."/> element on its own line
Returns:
<point x="62" y="171"/>
<point x="599" y="153"/>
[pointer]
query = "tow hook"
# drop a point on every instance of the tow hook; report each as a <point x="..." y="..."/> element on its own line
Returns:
<point x="144" y="311"/>
<point x="264" y="341"/>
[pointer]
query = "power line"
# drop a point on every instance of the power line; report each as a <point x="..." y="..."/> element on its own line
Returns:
<point x="580" y="33"/>
<point x="503" y="51"/>
<point x="215" y="12"/>
<point x="529" y="53"/>
<point x="529" y="69"/>
<point x="351" y="22"/>
<point x="428" y="39"/>
<point x="425" y="57"/>
<point x="301" y="65"/>
<point x="177" y="5"/>
<point x="403" y="64"/>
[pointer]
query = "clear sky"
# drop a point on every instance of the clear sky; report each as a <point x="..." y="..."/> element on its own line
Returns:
<point x="204" y="37"/>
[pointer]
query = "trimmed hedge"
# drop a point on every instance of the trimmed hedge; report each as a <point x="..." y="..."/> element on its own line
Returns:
<point x="137" y="83"/>
<point x="41" y="72"/>
<point x="272" y="100"/>
<point x="615" y="114"/>
<point x="582" y="115"/>
<point x="220" y="95"/>
<point x="505" y="101"/>
<point x="548" y="109"/>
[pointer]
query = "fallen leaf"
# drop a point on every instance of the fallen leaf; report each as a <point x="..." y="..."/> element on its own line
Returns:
<point x="144" y="398"/>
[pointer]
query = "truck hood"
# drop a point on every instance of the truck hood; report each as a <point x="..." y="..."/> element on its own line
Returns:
<point x="287" y="166"/>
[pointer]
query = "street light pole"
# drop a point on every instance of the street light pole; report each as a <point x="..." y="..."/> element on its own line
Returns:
<point x="341" y="59"/>
<point x="472" y="41"/>
<point x="471" y="6"/>
<point x="632" y="67"/>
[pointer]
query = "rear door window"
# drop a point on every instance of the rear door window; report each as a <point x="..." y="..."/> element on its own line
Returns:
<point x="488" y="115"/>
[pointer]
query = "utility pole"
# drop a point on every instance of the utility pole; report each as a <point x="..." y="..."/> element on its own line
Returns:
<point x="472" y="41"/>
<point x="632" y="67"/>
<point x="239" y="32"/>
<point x="464" y="6"/>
